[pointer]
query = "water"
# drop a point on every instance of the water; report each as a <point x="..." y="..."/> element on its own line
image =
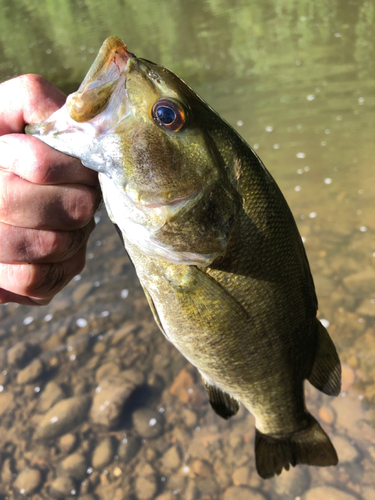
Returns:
<point x="296" y="79"/>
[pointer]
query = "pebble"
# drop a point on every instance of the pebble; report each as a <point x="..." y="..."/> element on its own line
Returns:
<point x="327" y="414"/>
<point x="128" y="448"/>
<point x="6" y="402"/>
<point x="74" y="465"/>
<point x="63" y="417"/>
<point x="31" y="372"/>
<point x="67" y="443"/>
<point x="146" y="487"/>
<point x="241" y="476"/>
<point x="189" y="417"/>
<point x="166" y="496"/>
<point x="106" y="370"/>
<point x="171" y="459"/>
<point x="103" y="453"/>
<point x="111" y="396"/>
<point x="62" y="487"/>
<point x="51" y="394"/>
<point x="28" y="480"/>
<point x="347" y="377"/>
<point x="242" y="493"/>
<point x="292" y="483"/>
<point x="148" y="423"/>
<point x="19" y="353"/>
<point x="201" y="468"/>
<point x="78" y="344"/>
<point x="347" y="452"/>
<point x="327" y="493"/>
<point x="360" y="283"/>
<point x="367" y="307"/>
<point x="181" y="386"/>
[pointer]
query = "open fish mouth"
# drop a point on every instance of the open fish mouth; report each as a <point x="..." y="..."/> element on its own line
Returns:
<point x="106" y="73"/>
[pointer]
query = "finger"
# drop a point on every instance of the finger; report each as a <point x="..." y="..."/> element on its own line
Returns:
<point x="6" y="296"/>
<point x="19" y="245"/>
<point x="40" y="282"/>
<point x="59" y="208"/>
<point x="27" y="99"/>
<point x="31" y="159"/>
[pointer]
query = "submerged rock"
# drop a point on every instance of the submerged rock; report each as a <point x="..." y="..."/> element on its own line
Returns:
<point x="63" y="417"/>
<point x="28" y="481"/>
<point x="148" y="423"/>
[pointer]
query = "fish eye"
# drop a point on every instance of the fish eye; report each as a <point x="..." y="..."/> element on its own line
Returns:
<point x="169" y="114"/>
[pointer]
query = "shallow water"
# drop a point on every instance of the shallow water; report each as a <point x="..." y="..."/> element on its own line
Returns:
<point x="297" y="80"/>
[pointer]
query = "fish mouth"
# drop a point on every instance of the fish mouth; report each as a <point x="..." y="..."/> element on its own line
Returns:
<point x="107" y="71"/>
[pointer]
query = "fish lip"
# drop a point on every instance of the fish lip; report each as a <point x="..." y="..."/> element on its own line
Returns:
<point x="112" y="54"/>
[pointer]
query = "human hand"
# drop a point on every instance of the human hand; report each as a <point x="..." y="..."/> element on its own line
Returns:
<point x="47" y="199"/>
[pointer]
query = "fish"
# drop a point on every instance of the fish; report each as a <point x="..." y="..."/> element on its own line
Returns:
<point x="214" y="244"/>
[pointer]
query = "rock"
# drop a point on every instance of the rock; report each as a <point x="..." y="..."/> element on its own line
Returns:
<point x="291" y="484"/>
<point x="201" y="468"/>
<point x="106" y="370"/>
<point x="67" y="443"/>
<point x="31" y="372"/>
<point x="327" y="493"/>
<point x="148" y="423"/>
<point x="348" y="377"/>
<point x="81" y="291"/>
<point x="189" y="417"/>
<point x="78" y="344"/>
<point x="346" y="451"/>
<point x="63" y="486"/>
<point x="28" y="481"/>
<point x="360" y="283"/>
<point x="6" y="402"/>
<point x="181" y="386"/>
<point x="207" y="486"/>
<point x="241" y="476"/>
<point x="242" y="493"/>
<point x="63" y="417"/>
<point x="166" y="496"/>
<point x="128" y="448"/>
<point x="146" y="487"/>
<point x="367" y="307"/>
<point x="51" y="395"/>
<point x="111" y="396"/>
<point x="327" y="414"/>
<point x="74" y="465"/>
<point x="171" y="459"/>
<point x="103" y="453"/>
<point x="19" y="353"/>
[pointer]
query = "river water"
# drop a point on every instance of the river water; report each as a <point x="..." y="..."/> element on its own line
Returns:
<point x="94" y="402"/>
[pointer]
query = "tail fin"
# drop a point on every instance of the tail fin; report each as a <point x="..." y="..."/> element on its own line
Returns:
<point x="310" y="446"/>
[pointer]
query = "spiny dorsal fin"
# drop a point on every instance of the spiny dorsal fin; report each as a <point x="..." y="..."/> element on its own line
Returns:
<point x="222" y="403"/>
<point x="326" y="371"/>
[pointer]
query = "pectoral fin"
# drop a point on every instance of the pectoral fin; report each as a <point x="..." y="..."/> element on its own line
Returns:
<point x="154" y="311"/>
<point x="222" y="403"/>
<point x="205" y="298"/>
<point x="326" y="371"/>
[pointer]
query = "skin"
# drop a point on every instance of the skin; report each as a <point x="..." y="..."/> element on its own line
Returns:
<point x="47" y="199"/>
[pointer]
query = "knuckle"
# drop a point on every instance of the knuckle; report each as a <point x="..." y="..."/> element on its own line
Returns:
<point x="83" y="206"/>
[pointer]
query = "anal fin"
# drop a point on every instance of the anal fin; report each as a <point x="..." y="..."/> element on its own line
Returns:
<point x="222" y="403"/>
<point x="326" y="371"/>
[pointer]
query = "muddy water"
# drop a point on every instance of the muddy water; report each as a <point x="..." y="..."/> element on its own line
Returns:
<point x="94" y="402"/>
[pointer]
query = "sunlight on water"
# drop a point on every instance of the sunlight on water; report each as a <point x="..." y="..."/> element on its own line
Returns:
<point x="94" y="402"/>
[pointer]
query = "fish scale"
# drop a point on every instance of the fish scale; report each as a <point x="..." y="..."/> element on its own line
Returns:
<point x="214" y="244"/>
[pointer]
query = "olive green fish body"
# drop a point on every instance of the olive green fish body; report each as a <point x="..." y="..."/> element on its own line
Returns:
<point x="214" y="244"/>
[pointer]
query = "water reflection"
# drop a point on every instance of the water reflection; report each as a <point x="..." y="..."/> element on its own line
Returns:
<point x="297" y="80"/>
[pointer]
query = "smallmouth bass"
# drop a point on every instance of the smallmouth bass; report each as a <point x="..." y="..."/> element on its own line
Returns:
<point x="214" y="244"/>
